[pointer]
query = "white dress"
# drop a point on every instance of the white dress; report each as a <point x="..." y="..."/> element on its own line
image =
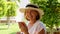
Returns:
<point x="37" y="27"/>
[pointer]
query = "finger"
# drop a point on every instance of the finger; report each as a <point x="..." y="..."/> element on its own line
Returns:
<point x="22" y="24"/>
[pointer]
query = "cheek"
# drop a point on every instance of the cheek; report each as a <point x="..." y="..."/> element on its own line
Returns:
<point x="28" y="16"/>
<point x="33" y="16"/>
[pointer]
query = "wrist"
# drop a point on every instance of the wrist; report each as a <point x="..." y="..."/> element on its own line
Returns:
<point x="26" y="33"/>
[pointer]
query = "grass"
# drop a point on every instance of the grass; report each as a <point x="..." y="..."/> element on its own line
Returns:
<point x="12" y="30"/>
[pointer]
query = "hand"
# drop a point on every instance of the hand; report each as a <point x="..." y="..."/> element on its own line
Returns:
<point x="23" y="27"/>
<point x="18" y="33"/>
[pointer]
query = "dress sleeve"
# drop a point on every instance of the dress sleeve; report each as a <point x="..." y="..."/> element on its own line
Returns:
<point x="38" y="29"/>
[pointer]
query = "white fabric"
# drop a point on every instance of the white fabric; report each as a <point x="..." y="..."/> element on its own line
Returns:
<point x="38" y="26"/>
<point x="20" y="17"/>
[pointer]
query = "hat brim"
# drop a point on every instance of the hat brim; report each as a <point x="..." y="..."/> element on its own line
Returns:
<point x="39" y="10"/>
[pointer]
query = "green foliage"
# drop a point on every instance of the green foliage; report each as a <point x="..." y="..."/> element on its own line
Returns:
<point x="7" y="8"/>
<point x="11" y="9"/>
<point x="2" y="7"/>
<point x="51" y="11"/>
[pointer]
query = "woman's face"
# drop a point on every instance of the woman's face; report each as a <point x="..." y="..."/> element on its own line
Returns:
<point x="30" y="14"/>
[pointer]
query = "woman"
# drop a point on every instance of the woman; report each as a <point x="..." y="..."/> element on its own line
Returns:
<point x="32" y="14"/>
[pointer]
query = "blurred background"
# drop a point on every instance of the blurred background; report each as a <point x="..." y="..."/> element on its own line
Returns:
<point x="9" y="15"/>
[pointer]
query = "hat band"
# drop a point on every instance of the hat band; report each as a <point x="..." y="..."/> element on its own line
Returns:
<point x="32" y="6"/>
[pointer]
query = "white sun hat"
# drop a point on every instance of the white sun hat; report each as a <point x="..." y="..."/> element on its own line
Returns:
<point x="32" y="7"/>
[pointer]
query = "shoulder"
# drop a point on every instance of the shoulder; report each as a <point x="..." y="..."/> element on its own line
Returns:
<point x="41" y="26"/>
<point x="40" y="23"/>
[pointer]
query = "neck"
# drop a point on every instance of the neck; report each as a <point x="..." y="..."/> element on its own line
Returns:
<point x="32" y="21"/>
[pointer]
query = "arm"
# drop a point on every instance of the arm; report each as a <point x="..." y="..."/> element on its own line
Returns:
<point x="42" y="32"/>
<point x="26" y="33"/>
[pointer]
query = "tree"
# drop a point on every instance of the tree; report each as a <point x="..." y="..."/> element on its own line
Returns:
<point x="2" y="8"/>
<point x="51" y="12"/>
<point x="7" y="9"/>
<point x="11" y="11"/>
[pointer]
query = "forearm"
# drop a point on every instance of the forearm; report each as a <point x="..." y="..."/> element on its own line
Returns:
<point x="26" y="33"/>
